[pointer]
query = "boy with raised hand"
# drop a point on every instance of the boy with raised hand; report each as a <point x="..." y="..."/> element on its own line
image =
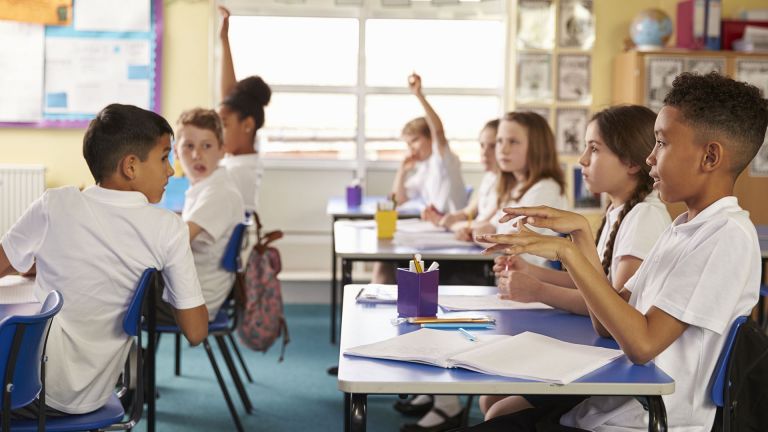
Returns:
<point x="703" y="272"/>
<point x="93" y="246"/>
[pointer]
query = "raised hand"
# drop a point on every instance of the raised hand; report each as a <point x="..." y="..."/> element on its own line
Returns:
<point x="414" y="83"/>
<point x="519" y="286"/>
<point x="224" y="32"/>
<point x="561" y="221"/>
<point x="527" y="241"/>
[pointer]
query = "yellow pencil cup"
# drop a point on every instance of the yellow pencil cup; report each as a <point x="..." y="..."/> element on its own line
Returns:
<point x="386" y="223"/>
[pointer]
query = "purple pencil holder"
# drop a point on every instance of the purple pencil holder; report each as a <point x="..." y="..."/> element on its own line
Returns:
<point x="417" y="293"/>
<point x="354" y="196"/>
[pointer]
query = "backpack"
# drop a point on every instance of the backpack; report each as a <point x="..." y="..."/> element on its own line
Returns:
<point x="261" y="299"/>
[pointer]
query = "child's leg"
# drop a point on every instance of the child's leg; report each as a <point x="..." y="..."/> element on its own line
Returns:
<point x="443" y="413"/>
<point x="383" y="273"/>
<point x="487" y="401"/>
<point x="507" y="405"/>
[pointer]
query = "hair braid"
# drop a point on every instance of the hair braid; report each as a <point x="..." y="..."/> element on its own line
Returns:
<point x="641" y="191"/>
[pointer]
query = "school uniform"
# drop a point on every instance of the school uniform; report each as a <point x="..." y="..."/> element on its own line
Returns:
<point x="93" y="246"/>
<point x="438" y="181"/>
<point x="544" y="192"/>
<point x="637" y="233"/>
<point x="704" y="272"/>
<point x="214" y="204"/>
<point x="486" y="196"/>
<point x="246" y="171"/>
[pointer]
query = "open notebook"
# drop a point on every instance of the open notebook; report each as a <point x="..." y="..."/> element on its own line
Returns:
<point x="526" y="355"/>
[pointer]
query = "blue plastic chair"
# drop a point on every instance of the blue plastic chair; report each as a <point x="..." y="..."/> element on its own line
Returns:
<point x="222" y="326"/>
<point x="721" y="384"/>
<point x="110" y="415"/>
<point x="22" y="365"/>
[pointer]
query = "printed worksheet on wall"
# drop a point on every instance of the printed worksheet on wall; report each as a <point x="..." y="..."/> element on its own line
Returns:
<point x="21" y="63"/>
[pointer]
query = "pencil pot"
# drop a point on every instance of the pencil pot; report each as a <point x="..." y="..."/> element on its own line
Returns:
<point x="417" y="293"/>
<point x="354" y="196"/>
<point x="386" y="222"/>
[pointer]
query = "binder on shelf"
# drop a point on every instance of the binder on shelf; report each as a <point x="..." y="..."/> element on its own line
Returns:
<point x="690" y="24"/>
<point x="713" y="18"/>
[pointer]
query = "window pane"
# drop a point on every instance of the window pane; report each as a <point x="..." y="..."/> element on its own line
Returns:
<point x="446" y="53"/>
<point x="463" y="117"/>
<point x="308" y="119"/>
<point x="295" y="51"/>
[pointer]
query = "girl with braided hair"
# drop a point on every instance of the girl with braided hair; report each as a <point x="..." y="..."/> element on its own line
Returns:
<point x="618" y="140"/>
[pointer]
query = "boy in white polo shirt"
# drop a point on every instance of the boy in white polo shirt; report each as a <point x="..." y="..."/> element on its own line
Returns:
<point x="93" y="246"/>
<point x="702" y="273"/>
<point x="212" y="205"/>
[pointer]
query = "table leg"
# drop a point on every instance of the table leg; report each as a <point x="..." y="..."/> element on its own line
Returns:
<point x="357" y="414"/>
<point x="657" y="414"/>
<point x="347" y="411"/>
<point x="333" y="282"/>
<point x="346" y="272"/>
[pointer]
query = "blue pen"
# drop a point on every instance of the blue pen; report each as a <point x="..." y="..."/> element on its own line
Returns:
<point x="458" y="325"/>
<point x="467" y="335"/>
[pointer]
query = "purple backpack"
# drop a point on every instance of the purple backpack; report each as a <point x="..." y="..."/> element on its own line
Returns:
<point x="263" y="320"/>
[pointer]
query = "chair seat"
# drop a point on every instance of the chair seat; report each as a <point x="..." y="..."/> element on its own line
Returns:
<point x="106" y="416"/>
<point x="219" y="324"/>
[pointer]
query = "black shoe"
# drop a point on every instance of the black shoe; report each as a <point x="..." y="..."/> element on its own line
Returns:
<point x="449" y="423"/>
<point x="406" y="407"/>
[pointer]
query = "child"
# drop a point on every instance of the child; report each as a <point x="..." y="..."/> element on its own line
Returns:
<point x="618" y="140"/>
<point x="242" y="114"/>
<point x="436" y="171"/>
<point x="481" y="209"/>
<point x="93" y="246"/>
<point x="530" y="171"/>
<point x="212" y="205"/>
<point x="703" y="272"/>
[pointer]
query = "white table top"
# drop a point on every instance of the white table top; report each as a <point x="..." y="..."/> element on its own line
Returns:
<point x="368" y="323"/>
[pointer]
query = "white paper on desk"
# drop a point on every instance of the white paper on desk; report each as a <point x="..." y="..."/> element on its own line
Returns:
<point x="417" y="226"/>
<point x="377" y="293"/>
<point x="84" y="75"/>
<point x="21" y="79"/>
<point x="533" y="356"/>
<point x="429" y="240"/>
<point x="17" y="289"/>
<point x="112" y="15"/>
<point x="484" y="302"/>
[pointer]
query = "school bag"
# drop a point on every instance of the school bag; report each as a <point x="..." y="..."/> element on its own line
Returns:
<point x="261" y="299"/>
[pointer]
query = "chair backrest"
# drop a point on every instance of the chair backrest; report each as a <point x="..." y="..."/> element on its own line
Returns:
<point x="132" y="318"/>
<point x="23" y="340"/>
<point x="231" y="259"/>
<point x="719" y="385"/>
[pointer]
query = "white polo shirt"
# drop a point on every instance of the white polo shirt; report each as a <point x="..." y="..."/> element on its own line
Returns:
<point x="438" y="181"/>
<point x="93" y="246"/>
<point x="214" y="204"/>
<point x="246" y="171"/>
<point x="486" y="196"/>
<point x="637" y="233"/>
<point x="704" y="272"/>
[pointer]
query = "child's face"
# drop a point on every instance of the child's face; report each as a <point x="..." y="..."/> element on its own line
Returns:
<point x="152" y="174"/>
<point x="419" y="146"/>
<point x="512" y="148"/>
<point x="602" y="169"/>
<point x="675" y="158"/>
<point x="488" y="149"/>
<point x="198" y="151"/>
<point x="237" y="133"/>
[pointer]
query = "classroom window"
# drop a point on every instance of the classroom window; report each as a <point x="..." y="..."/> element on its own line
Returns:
<point x="330" y="102"/>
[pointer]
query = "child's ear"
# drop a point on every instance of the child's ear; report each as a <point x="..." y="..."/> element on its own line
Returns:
<point x="713" y="156"/>
<point x="249" y="124"/>
<point x="128" y="167"/>
<point x="633" y="169"/>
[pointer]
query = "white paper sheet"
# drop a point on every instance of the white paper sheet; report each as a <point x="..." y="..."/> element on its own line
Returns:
<point x="21" y="72"/>
<point x="483" y="302"/>
<point x="429" y="240"/>
<point x="112" y="15"/>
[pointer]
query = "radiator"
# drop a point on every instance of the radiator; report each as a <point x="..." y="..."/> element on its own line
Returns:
<point x="20" y="185"/>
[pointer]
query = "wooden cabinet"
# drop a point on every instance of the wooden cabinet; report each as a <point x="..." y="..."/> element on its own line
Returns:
<point x="645" y="77"/>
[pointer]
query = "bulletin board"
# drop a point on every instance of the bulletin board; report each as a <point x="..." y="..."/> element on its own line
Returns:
<point x="61" y="76"/>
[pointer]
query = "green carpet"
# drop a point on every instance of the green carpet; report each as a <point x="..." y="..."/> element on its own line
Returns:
<point x="296" y="395"/>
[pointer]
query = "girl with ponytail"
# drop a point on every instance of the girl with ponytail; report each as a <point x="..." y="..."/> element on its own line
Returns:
<point x="618" y="141"/>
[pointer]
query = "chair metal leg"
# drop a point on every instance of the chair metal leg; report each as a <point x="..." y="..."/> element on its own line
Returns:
<point x="235" y="375"/>
<point x="220" y="379"/>
<point x="240" y="357"/>
<point x="177" y="366"/>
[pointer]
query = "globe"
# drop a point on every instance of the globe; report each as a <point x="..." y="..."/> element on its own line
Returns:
<point x="651" y="29"/>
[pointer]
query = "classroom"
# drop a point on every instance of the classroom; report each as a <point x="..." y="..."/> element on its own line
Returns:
<point x="391" y="131"/>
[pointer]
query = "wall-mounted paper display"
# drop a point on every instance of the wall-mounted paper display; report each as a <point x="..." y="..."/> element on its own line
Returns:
<point x="534" y="77"/>
<point x="573" y="78"/>
<point x="571" y="124"/>
<point x="659" y="74"/>
<point x="577" y="24"/>
<point x="535" y="24"/>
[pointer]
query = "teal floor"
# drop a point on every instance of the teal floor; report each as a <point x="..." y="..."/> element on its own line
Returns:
<point x="296" y="395"/>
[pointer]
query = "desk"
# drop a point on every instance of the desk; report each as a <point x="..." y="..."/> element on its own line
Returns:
<point x="366" y="323"/>
<point x="337" y="209"/>
<point x="354" y="242"/>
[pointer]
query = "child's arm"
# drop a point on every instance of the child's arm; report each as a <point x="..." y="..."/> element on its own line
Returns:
<point x="504" y="263"/>
<point x="228" y="80"/>
<point x="194" y="230"/>
<point x="398" y="186"/>
<point x="522" y="287"/>
<point x="433" y="120"/>
<point x="193" y="323"/>
<point x="5" y="263"/>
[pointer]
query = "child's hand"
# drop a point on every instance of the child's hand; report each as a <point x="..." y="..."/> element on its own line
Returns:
<point x="526" y="241"/>
<point x="414" y="83"/>
<point x="464" y="233"/>
<point x="431" y="214"/>
<point x="519" y="286"/>
<point x="505" y="263"/>
<point x="561" y="221"/>
<point x="408" y="163"/>
<point x="448" y="220"/>
<point x="224" y="33"/>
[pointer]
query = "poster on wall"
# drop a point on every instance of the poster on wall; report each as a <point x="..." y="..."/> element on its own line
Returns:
<point x="573" y="81"/>
<point x="534" y="77"/>
<point x="571" y="124"/>
<point x="705" y="65"/>
<point x="660" y="72"/>
<point x="754" y="72"/>
<point x="759" y="165"/>
<point x="577" y="24"/>
<point x="535" y="24"/>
